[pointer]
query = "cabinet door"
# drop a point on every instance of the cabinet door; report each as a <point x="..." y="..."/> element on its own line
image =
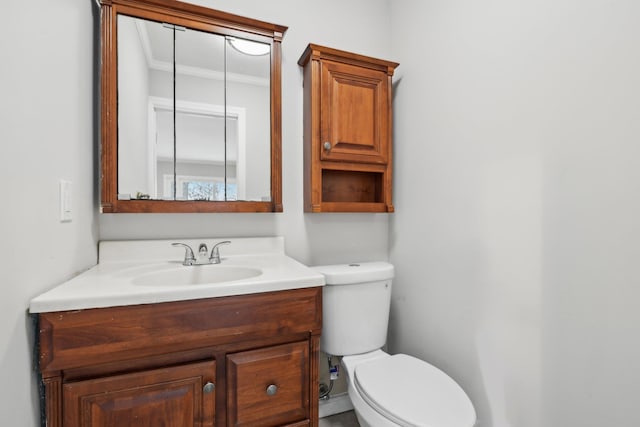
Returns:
<point x="180" y="396"/>
<point x="268" y="387"/>
<point x="354" y="114"/>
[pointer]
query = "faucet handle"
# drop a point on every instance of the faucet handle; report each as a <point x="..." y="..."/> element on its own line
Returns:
<point x="189" y="258"/>
<point x="215" y="253"/>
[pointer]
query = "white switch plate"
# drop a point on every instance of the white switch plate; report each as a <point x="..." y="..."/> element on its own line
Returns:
<point x="65" y="201"/>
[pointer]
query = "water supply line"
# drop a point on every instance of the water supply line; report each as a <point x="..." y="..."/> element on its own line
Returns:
<point x="326" y="389"/>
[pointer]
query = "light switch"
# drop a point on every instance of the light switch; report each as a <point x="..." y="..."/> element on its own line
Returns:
<point x="65" y="201"/>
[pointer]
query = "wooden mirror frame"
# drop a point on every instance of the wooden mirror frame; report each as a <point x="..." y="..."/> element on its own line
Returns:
<point x="203" y="19"/>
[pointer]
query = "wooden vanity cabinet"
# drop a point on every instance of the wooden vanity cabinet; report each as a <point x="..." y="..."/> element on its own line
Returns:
<point x="249" y="360"/>
<point x="347" y="131"/>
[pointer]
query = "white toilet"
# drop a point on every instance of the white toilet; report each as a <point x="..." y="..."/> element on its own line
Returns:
<point x="385" y="390"/>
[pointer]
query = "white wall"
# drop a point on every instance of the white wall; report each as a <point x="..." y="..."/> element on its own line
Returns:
<point x="46" y="133"/>
<point x="360" y="26"/>
<point x="517" y="195"/>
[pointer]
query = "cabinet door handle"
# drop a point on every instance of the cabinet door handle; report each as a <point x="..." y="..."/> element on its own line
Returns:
<point x="208" y="387"/>
<point x="272" y="390"/>
<point x="327" y="146"/>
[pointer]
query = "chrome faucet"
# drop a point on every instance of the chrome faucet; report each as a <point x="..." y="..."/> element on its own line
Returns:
<point x="215" y="253"/>
<point x="190" y="258"/>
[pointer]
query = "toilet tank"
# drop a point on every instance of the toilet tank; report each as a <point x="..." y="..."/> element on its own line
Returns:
<point x="355" y="307"/>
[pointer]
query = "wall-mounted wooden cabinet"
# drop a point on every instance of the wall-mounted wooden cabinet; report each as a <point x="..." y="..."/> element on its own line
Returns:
<point x="347" y="131"/>
<point x="249" y="360"/>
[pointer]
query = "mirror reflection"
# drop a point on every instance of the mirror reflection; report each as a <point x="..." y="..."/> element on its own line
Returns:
<point x="193" y="114"/>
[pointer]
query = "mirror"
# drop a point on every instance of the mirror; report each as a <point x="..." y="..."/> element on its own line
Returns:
<point x="191" y="109"/>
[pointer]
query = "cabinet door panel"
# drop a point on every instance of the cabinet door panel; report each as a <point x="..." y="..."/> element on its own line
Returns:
<point x="268" y="387"/>
<point x="354" y="114"/>
<point x="163" y="397"/>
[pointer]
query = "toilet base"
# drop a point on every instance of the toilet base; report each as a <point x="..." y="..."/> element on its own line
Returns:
<point x="367" y="416"/>
<point x="445" y="404"/>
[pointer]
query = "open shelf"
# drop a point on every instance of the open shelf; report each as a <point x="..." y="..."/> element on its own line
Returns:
<point x="351" y="186"/>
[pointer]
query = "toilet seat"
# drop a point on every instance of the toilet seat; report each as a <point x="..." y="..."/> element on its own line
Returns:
<point x="413" y="393"/>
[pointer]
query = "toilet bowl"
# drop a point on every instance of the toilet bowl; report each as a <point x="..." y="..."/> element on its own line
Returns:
<point x="385" y="390"/>
<point x="401" y="390"/>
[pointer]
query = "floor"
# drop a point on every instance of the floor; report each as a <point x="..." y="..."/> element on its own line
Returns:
<point x="345" y="419"/>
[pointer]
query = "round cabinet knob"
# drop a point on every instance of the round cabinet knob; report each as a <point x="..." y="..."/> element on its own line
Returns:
<point x="208" y="387"/>
<point x="272" y="389"/>
<point x="327" y="146"/>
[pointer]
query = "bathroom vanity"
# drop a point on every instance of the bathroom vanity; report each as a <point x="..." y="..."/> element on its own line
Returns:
<point x="233" y="353"/>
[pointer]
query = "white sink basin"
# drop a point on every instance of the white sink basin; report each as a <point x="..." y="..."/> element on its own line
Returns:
<point x="151" y="271"/>
<point x="197" y="275"/>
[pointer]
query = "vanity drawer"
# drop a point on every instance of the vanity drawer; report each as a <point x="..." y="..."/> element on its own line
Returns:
<point x="268" y="386"/>
<point x="79" y="338"/>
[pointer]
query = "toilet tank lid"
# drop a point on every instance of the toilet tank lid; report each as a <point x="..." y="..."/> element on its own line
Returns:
<point x="359" y="272"/>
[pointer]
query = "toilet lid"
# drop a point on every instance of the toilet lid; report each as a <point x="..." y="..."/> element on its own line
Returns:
<point x="412" y="393"/>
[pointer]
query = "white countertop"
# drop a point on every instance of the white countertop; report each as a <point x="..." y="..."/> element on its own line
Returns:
<point x="113" y="281"/>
